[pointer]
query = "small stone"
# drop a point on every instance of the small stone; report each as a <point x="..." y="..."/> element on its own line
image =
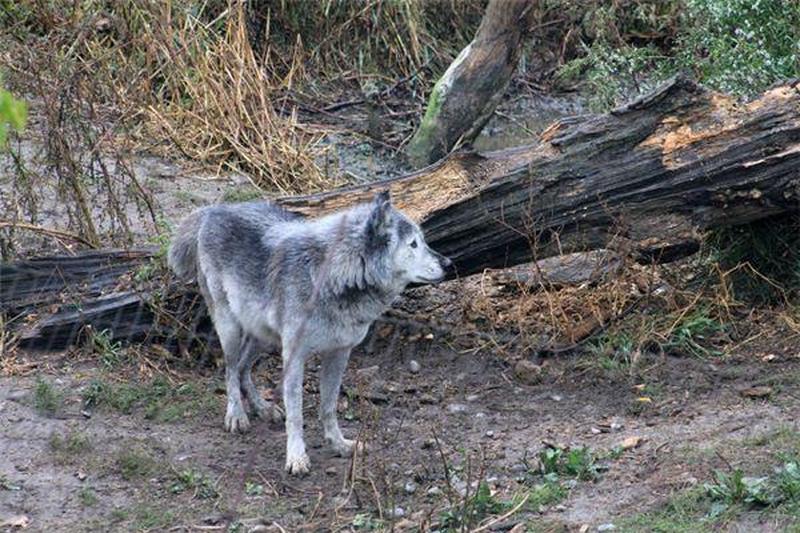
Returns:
<point x="428" y="444"/>
<point x="490" y="434"/>
<point x="410" y="487"/>
<point x="398" y="512"/>
<point x="472" y="398"/>
<point x="527" y="372"/>
<point x="480" y="415"/>
<point x="556" y="397"/>
<point x="595" y="431"/>
<point x="455" y="408"/>
<point x="615" y="426"/>
<point x="434" y="491"/>
<point x="413" y="366"/>
<point x="560" y="508"/>
<point x="81" y="475"/>
<point x="331" y="471"/>
<point x="606" y="527"/>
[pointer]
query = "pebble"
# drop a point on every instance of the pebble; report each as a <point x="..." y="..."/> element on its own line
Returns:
<point x="331" y="470"/>
<point x="606" y="527"/>
<point x="410" y="487"/>
<point x="556" y="397"/>
<point x="490" y="434"/>
<point x="472" y="398"/>
<point x="413" y="366"/>
<point x="454" y="408"/>
<point x="428" y="444"/>
<point x="434" y="491"/>
<point x="398" y="512"/>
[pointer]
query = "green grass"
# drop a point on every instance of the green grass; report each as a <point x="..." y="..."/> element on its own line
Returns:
<point x="109" y="351"/>
<point x="87" y="496"/>
<point x="69" y="446"/>
<point x="158" y="399"/>
<point x="135" y="463"/>
<point x="47" y="399"/>
<point x="241" y="194"/>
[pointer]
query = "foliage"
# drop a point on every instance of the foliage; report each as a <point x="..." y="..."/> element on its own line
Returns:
<point x="737" y="46"/>
<point x="13" y="114"/>
<point x="577" y="462"/>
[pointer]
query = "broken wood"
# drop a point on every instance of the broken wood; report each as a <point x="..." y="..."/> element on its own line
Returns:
<point x="466" y="95"/>
<point x="646" y="180"/>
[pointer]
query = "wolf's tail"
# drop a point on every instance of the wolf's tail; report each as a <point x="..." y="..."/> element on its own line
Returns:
<point x="182" y="254"/>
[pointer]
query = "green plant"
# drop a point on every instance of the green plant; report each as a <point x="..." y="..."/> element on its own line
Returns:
<point x="253" y="489"/>
<point x="46" y="398"/>
<point x="134" y="463"/>
<point x="13" y="114"/>
<point x="108" y="350"/>
<point x="473" y="509"/>
<point x="578" y="462"/>
<point x="690" y="334"/>
<point x="195" y="481"/>
<point x="87" y="496"/>
<point x="72" y="443"/>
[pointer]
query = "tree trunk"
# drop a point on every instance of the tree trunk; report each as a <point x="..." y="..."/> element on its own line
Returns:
<point x="646" y="179"/>
<point x="466" y="95"/>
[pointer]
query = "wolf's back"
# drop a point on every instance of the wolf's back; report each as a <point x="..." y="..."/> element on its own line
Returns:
<point x="182" y="254"/>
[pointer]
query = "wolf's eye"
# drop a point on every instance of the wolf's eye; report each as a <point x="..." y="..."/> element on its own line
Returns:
<point x="413" y="243"/>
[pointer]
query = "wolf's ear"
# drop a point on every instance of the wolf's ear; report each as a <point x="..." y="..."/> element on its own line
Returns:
<point x="380" y="219"/>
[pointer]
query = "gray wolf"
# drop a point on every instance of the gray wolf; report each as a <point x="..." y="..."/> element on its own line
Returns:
<point x="273" y="280"/>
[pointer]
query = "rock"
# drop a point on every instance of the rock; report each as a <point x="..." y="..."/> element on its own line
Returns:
<point x="631" y="442"/>
<point x="398" y="512"/>
<point x="331" y="471"/>
<point x="556" y="397"/>
<point x="606" y="527"/>
<point x="527" y="372"/>
<point x="434" y="491"/>
<point x="413" y="366"/>
<point x="428" y="444"/>
<point x="490" y="434"/>
<point x="410" y="487"/>
<point x="472" y="398"/>
<point x="455" y="408"/>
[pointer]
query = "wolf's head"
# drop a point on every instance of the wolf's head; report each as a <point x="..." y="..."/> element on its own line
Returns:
<point x="399" y="243"/>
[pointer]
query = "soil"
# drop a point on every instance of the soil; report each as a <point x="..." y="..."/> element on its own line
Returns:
<point x="464" y="413"/>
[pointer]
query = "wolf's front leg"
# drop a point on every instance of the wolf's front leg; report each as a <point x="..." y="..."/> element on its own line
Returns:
<point x="330" y="381"/>
<point x="297" y="461"/>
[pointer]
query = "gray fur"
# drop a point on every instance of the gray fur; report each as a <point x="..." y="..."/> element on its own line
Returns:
<point x="275" y="280"/>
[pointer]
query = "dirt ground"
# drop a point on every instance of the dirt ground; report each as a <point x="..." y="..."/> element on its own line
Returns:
<point x="433" y="434"/>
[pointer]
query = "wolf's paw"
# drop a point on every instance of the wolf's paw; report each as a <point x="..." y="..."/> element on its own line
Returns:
<point x="346" y="447"/>
<point x="298" y="465"/>
<point x="236" y="420"/>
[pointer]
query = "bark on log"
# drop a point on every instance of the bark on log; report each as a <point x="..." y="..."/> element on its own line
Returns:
<point x="465" y="97"/>
<point x="646" y="179"/>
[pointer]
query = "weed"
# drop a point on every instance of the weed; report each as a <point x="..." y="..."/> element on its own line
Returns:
<point x="152" y="517"/>
<point x="87" y="496"/>
<point x="73" y="443"/>
<point x="46" y="398"/>
<point x="194" y="481"/>
<point x="134" y="464"/>
<point x="474" y="509"/>
<point x="579" y="463"/>
<point x="13" y="114"/>
<point x="550" y="492"/>
<point x="253" y="489"/>
<point x="367" y="522"/>
<point x="108" y="350"/>
<point x="690" y="334"/>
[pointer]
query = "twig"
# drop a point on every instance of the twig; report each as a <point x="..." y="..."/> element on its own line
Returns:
<point x="47" y="231"/>
<point x="503" y="517"/>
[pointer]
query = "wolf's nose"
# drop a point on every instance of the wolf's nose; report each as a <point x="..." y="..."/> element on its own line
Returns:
<point x="445" y="262"/>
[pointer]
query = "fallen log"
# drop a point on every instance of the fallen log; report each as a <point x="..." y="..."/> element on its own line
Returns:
<point x="646" y="180"/>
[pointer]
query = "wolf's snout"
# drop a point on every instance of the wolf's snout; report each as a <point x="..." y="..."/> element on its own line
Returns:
<point x="445" y="262"/>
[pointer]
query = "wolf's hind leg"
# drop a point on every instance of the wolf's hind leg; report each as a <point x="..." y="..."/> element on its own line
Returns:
<point x="230" y="336"/>
<point x="262" y="408"/>
<point x="330" y="381"/>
